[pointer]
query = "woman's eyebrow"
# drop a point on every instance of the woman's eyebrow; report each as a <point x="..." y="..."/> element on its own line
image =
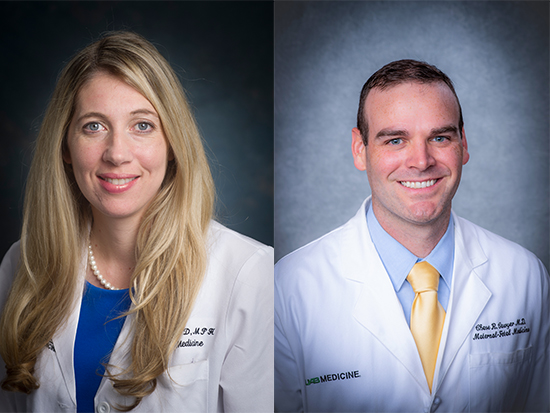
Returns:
<point x="144" y="112"/>
<point x="91" y="115"/>
<point x="103" y="116"/>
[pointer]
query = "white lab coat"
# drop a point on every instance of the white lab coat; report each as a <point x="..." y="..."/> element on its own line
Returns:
<point x="340" y="327"/>
<point x="225" y="358"/>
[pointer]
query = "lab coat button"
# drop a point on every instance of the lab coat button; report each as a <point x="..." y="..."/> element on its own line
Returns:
<point x="103" y="407"/>
<point x="435" y="404"/>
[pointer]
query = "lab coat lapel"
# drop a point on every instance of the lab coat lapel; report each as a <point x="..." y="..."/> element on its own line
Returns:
<point x="63" y="344"/>
<point x="469" y="296"/>
<point x="378" y="309"/>
<point x="64" y="339"/>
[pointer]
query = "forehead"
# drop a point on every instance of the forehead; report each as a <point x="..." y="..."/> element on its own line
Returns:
<point x="411" y="103"/>
<point x="104" y="91"/>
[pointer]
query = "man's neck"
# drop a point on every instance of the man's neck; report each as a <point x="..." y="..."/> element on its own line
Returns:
<point x="420" y="239"/>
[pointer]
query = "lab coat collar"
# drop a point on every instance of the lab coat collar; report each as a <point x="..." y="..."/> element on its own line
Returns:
<point x="469" y="296"/>
<point x="377" y="293"/>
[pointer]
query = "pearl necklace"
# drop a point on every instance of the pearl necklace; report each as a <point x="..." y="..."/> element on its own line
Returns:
<point x="93" y="266"/>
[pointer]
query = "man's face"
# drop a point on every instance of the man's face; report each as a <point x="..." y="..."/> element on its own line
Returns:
<point x="414" y="155"/>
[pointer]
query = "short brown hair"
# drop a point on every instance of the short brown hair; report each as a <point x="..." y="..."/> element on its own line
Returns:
<point x="402" y="71"/>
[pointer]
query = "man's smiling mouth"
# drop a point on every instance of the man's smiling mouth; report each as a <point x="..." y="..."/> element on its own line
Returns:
<point x="418" y="185"/>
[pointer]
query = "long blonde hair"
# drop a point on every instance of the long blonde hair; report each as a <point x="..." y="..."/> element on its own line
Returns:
<point x="171" y="245"/>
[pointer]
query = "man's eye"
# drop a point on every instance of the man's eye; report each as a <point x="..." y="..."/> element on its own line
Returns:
<point x="440" y="139"/>
<point x="395" y="141"/>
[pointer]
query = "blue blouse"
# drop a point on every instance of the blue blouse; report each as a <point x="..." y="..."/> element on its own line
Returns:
<point x="96" y="336"/>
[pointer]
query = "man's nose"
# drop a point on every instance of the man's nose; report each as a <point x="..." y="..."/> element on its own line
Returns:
<point x="118" y="149"/>
<point x="420" y="155"/>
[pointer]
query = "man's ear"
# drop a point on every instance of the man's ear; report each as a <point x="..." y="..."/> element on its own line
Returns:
<point x="465" y="153"/>
<point x="358" y="150"/>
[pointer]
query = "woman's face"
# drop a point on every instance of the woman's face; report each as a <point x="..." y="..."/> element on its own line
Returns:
<point x="117" y="147"/>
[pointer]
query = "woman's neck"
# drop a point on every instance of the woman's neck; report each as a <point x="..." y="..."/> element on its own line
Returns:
<point x="114" y="247"/>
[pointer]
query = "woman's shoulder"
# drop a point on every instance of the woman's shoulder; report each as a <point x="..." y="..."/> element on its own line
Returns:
<point x="223" y="239"/>
<point x="12" y="254"/>
<point x="8" y="268"/>
<point x="236" y="255"/>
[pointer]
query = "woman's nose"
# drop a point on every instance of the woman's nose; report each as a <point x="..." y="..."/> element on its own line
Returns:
<point x="118" y="149"/>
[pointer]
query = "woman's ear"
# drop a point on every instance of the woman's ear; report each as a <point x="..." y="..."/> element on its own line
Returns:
<point x="65" y="153"/>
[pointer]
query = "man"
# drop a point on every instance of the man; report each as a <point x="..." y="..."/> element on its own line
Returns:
<point x="408" y="307"/>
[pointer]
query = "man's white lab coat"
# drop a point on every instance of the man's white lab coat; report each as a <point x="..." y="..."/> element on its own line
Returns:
<point x="342" y="343"/>
<point x="224" y="360"/>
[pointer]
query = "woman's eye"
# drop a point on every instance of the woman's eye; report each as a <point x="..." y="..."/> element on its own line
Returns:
<point x="93" y="127"/>
<point x="143" y="126"/>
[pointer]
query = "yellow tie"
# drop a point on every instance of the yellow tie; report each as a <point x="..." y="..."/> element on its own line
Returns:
<point x="427" y="315"/>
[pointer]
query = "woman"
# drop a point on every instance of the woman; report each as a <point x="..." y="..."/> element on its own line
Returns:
<point x="124" y="293"/>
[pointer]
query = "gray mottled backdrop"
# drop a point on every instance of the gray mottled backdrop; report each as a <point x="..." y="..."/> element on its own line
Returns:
<point x="223" y="52"/>
<point x="495" y="52"/>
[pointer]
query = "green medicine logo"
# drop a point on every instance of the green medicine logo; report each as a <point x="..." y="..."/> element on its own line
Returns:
<point x="314" y="380"/>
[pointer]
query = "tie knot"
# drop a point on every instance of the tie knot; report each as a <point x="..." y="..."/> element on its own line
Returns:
<point x="423" y="277"/>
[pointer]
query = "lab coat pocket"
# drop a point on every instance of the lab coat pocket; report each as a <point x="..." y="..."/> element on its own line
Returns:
<point x="185" y="387"/>
<point x="498" y="380"/>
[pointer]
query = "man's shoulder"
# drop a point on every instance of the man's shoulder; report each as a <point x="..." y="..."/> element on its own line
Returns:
<point x="322" y="248"/>
<point x="497" y="249"/>
<point x="324" y="254"/>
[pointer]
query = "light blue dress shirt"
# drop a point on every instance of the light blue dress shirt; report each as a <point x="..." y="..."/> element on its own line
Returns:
<point x="399" y="261"/>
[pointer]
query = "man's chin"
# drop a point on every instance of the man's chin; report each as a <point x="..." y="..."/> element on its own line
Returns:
<point x="424" y="215"/>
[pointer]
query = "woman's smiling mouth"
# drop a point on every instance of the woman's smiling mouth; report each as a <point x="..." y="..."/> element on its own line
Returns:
<point x="118" y="181"/>
<point x="117" y="184"/>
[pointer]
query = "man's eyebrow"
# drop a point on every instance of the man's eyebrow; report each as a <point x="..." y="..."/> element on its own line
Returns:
<point x="444" y="129"/>
<point x="401" y="132"/>
<point x="391" y="132"/>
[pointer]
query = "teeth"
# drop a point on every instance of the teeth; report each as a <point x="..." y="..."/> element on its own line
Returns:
<point x="119" y="181"/>
<point x="423" y="184"/>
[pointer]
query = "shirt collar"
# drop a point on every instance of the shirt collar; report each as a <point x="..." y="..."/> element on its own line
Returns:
<point x="399" y="261"/>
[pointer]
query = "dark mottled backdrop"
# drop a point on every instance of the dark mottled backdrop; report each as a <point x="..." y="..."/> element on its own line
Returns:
<point x="495" y="52"/>
<point x="223" y="53"/>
